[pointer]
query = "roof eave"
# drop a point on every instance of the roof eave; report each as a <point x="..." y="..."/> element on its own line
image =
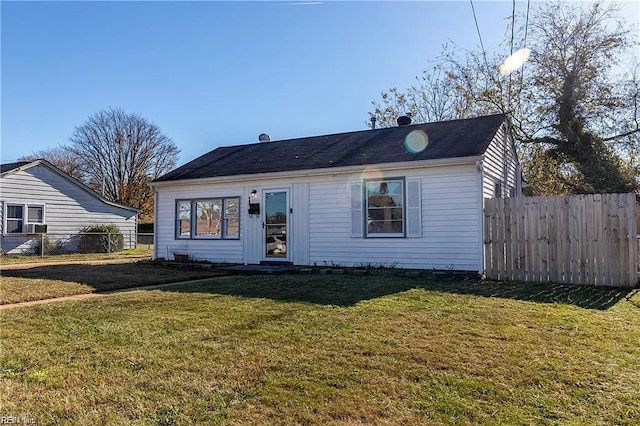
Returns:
<point x="407" y="165"/>
<point x="71" y="179"/>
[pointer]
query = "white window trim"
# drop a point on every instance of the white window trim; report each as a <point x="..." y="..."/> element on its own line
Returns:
<point x="402" y="234"/>
<point x="25" y="216"/>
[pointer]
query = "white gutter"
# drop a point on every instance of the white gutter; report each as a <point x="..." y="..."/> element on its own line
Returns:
<point x="407" y="165"/>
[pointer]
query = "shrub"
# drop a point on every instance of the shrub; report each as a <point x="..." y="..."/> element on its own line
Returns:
<point x="46" y="247"/>
<point x="101" y="239"/>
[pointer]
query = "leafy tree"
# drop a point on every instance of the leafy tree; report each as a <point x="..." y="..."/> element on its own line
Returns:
<point x="61" y="158"/>
<point x="121" y="153"/>
<point x="573" y="106"/>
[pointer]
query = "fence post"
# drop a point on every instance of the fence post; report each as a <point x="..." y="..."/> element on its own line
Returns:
<point x="108" y="242"/>
<point x="41" y="245"/>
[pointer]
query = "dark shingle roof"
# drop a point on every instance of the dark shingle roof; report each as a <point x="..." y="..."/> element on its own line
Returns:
<point x="447" y="139"/>
<point x="11" y="166"/>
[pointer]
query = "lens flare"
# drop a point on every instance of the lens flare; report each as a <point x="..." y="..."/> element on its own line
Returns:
<point x="514" y="62"/>
<point x="416" y="141"/>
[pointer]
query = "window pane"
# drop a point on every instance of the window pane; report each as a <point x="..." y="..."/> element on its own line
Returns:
<point x="232" y="217"/>
<point x="209" y="218"/>
<point x="14" y="226"/>
<point x="384" y="207"/>
<point x="14" y="212"/>
<point x="35" y="214"/>
<point x="184" y="218"/>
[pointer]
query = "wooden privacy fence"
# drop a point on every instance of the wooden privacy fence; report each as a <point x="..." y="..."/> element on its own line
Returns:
<point x="580" y="239"/>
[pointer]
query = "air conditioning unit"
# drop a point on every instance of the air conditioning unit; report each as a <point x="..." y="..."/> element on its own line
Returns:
<point x="34" y="228"/>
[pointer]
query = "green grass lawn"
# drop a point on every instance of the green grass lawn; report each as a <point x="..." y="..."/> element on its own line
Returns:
<point x="142" y="250"/>
<point x="44" y="282"/>
<point x="327" y="350"/>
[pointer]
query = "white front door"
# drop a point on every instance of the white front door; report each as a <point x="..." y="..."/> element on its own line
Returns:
<point x="275" y="224"/>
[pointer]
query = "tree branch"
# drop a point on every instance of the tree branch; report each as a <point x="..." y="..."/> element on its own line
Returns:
<point x="622" y="135"/>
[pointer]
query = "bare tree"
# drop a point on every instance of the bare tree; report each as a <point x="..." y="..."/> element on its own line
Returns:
<point x="121" y="153"/>
<point x="61" y="158"/>
<point x="574" y="105"/>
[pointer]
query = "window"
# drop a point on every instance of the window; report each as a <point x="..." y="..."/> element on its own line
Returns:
<point x="35" y="214"/>
<point x="498" y="190"/>
<point x="184" y="219"/>
<point x="385" y="208"/>
<point x="15" y="219"/>
<point x="208" y="218"/>
<point x="211" y="218"/>
<point x="232" y="218"/>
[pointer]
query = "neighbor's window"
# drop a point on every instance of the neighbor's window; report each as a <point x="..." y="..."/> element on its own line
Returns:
<point x="35" y="214"/>
<point x="15" y="219"/>
<point x="385" y="208"/>
<point x="213" y="218"/>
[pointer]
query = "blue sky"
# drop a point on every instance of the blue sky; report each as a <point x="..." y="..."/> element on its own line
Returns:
<point x="219" y="73"/>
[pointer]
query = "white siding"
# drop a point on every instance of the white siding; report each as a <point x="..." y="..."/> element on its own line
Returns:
<point x="500" y="165"/>
<point x="67" y="207"/>
<point x="299" y="225"/>
<point x="320" y="222"/>
<point x="219" y="250"/>
<point x="451" y="224"/>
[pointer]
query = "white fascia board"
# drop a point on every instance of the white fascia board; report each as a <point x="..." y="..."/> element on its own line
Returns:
<point x="406" y="165"/>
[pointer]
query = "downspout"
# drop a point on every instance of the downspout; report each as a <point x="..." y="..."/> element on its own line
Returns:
<point x="480" y="168"/>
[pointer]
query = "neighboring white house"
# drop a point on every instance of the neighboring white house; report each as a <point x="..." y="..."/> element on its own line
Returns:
<point x="36" y="197"/>
<point x="409" y="196"/>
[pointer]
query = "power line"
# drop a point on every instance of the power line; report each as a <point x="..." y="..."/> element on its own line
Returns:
<point x="475" y="18"/>
<point x="513" y="27"/>
<point x="526" y="27"/>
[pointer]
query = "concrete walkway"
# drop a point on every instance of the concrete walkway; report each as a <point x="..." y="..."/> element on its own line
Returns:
<point x="86" y="296"/>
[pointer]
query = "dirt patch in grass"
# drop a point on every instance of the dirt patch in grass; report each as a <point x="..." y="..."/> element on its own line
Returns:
<point x="314" y="353"/>
<point x="45" y="282"/>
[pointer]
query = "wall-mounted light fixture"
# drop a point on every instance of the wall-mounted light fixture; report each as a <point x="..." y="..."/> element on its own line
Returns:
<point x="254" y="206"/>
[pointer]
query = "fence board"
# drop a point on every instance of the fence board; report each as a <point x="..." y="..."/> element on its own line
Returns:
<point x="508" y="237"/>
<point x="565" y="238"/>
<point x="552" y="240"/>
<point x="586" y="239"/>
<point x="589" y="243"/>
<point x="599" y="232"/>
<point x="522" y="238"/>
<point x="632" y="269"/>
<point x="499" y="246"/>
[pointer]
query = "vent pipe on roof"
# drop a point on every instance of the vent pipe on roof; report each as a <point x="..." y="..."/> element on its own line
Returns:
<point x="264" y="138"/>
<point x="373" y="123"/>
<point x="403" y="120"/>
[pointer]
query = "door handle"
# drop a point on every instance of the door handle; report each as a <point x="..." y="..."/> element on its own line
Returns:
<point x="262" y="225"/>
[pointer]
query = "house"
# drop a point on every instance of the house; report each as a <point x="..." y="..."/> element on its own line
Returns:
<point x="36" y="197"/>
<point x="409" y="196"/>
